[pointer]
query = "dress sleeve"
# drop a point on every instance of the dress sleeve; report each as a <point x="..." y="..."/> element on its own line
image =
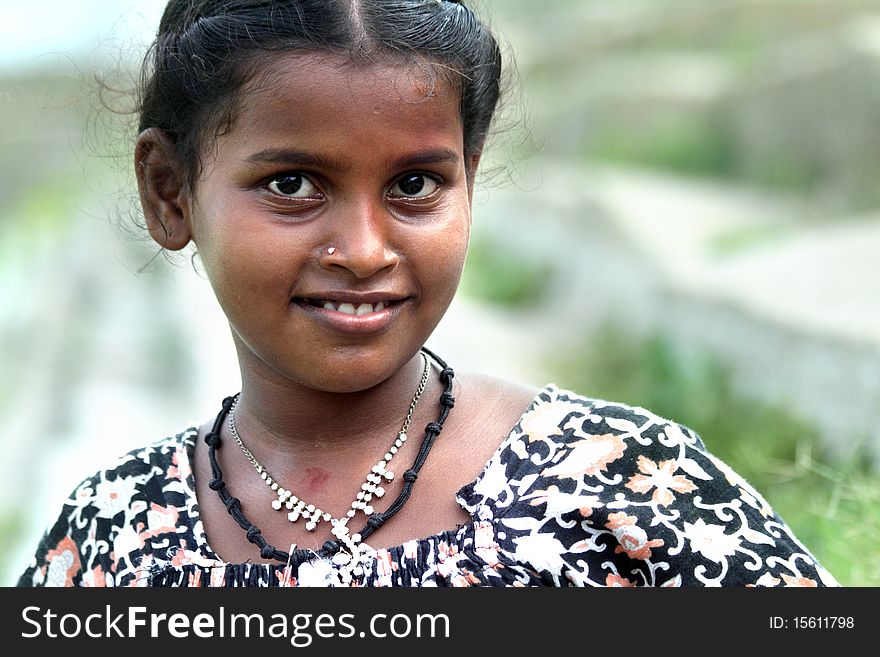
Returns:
<point x="118" y="522"/>
<point x="622" y="497"/>
<point x="58" y="560"/>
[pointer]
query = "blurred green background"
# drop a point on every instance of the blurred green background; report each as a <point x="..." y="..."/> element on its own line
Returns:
<point x="679" y="210"/>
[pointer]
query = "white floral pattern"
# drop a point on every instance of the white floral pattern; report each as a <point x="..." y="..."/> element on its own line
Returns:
<point x="582" y="492"/>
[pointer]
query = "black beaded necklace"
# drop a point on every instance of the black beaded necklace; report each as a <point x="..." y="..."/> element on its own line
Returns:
<point x="376" y="520"/>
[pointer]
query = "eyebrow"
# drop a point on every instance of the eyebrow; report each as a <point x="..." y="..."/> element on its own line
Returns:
<point x="294" y="157"/>
<point x="304" y="158"/>
<point x="431" y="156"/>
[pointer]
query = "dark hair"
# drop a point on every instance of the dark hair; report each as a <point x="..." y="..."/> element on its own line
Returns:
<point x="207" y="50"/>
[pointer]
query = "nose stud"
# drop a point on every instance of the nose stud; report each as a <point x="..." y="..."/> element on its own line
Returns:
<point x="331" y="250"/>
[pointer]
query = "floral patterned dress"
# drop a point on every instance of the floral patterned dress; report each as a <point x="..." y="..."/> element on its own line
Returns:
<point x="582" y="492"/>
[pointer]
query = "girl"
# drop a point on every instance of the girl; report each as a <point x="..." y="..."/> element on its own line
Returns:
<point x="321" y="156"/>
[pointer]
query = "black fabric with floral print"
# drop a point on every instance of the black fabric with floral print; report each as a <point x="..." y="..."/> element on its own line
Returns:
<point x="582" y="492"/>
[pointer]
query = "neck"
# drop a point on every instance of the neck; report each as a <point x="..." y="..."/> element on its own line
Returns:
<point x="371" y="488"/>
<point x="288" y="418"/>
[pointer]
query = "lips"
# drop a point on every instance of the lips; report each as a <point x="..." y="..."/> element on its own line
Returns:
<point x="351" y="313"/>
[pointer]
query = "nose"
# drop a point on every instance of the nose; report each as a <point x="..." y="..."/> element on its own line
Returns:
<point x="359" y="240"/>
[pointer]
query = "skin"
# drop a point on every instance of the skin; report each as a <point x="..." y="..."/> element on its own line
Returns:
<point x="373" y="166"/>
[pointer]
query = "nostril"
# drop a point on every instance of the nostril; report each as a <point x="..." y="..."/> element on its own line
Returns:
<point x="363" y="252"/>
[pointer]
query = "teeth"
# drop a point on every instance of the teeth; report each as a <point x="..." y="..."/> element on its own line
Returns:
<point x="351" y="309"/>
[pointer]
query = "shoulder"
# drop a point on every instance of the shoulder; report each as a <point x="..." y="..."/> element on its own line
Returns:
<point x="563" y="436"/>
<point x="573" y="435"/>
<point x="491" y="395"/>
<point x="121" y="481"/>
<point x="123" y="496"/>
<point x="605" y="493"/>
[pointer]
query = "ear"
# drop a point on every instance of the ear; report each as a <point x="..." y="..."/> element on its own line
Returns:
<point x="163" y="190"/>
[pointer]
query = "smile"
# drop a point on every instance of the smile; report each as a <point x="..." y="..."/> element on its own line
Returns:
<point x="349" y="308"/>
<point x="352" y="316"/>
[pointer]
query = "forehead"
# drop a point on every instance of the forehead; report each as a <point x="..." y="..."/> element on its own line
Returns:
<point x="332" y="102"/>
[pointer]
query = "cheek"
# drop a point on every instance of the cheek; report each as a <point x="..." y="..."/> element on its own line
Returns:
<point x="445" y="259"/>
<point x="242" y="265"/>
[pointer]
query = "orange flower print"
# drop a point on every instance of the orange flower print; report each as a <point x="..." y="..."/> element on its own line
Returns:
<point x="195" y="579"/>
<point x="63" y="563"/>
<point x="285" y="577"/>
<point x="179" y="557"/>
<point x="766" y="579"/>
<point x="173" y="471"/>
<point x="632" y="539"/>
<point x="180" y="469"/>
<point x="385" y="565"/>
<point x="484" y="537"/>
<point x="464" y="579"/>
<point x="659" y="475"/>
<point x="589" y="456"/>
<point x="802" y="582"/>
<point x="218" y="576"/>
<point x="616" y="581"/>
<point x="471" y="578"/>
<point x="94" y="578"/>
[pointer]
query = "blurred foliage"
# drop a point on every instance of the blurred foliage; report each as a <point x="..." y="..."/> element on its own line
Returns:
<point x="779" y="94"/>
<point x="784" y="171"/>
<point x="830" y="504"/>
<point x="701" y="147"/>
<point x="503" y="274"/>
<point x="12" y="524"/>
<point x="742" y="238"/>
<point x="704" y="147"/>
<point x="43" y="210"/>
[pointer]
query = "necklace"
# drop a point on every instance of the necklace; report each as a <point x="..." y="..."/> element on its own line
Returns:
<point x="298" y="508"/>
<point x="350" y="558"/>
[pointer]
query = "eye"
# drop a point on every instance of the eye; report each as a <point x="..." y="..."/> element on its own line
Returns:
<point x="415" y="186"/>
<point x="293" y="185"/>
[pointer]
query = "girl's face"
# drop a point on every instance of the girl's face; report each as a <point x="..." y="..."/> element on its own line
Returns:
<point x="333" y="218"/>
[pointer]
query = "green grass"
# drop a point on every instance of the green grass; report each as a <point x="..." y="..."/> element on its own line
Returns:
<point x="831" y="505"/>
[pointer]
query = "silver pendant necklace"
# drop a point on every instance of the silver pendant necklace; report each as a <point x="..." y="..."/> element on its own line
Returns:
<point x="297" y="508"/>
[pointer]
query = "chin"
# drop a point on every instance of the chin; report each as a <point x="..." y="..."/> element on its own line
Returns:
<point x="352" y="369"/>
